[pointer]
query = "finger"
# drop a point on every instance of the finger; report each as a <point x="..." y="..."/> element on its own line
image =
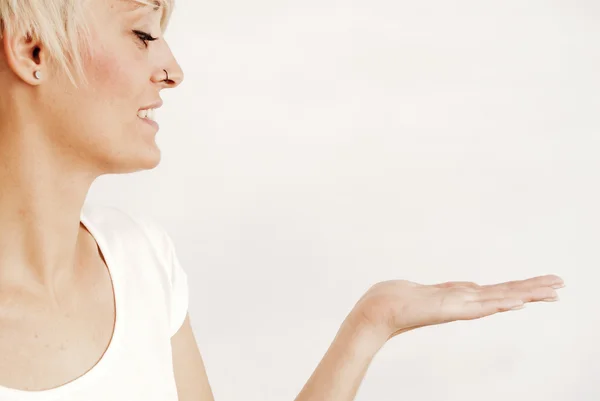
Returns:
<point x="525" y="294"/>
<point x="539" y="281"/>
<point x="549" y="280"/>
<point x="479" y="309"/>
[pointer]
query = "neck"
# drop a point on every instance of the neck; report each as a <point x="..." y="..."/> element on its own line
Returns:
<point x="40" y="205"/>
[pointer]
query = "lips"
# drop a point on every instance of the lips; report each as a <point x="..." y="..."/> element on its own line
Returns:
<point x="147" y="121"/>
<point x="147" y="113"/>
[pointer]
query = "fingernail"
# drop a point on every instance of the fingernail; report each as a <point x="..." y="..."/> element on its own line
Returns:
<point x="551" y="299"/>
<point x="518" y="307"/>
<point x="557" y="286"/>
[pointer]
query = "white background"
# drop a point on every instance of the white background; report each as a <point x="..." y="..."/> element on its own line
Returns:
<point x="319" y="146"/>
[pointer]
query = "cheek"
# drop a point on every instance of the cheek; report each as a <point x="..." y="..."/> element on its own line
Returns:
<point x="113" y="67"/>
<point x="115" y="85"/>
<point x="99" y="120"/>
<point x="113" y="99"/>
<point x="113" y="79"/>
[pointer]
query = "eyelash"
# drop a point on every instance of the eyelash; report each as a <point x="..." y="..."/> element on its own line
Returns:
<point x="145" y="37"/>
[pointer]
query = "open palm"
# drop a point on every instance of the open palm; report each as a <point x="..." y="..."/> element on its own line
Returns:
<point x="401" y="305"/>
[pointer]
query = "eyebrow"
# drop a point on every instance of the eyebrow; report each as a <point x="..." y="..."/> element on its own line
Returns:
<point x="134" y="5"/>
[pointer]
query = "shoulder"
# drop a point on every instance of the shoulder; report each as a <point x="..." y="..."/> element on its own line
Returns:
<point x="144" y="250"/>
<point x="127" y="229"/>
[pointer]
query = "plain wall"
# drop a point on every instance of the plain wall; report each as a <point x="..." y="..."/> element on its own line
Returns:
<point x="317" y="147"/>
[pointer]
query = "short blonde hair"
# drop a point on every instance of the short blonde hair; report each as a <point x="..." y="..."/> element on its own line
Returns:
<point x="61" y="26"/>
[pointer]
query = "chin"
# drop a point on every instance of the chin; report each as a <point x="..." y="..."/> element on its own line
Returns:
<point x="136" y="161"/>
<point x="147" y="161"/>
<point x="148" y="164"/>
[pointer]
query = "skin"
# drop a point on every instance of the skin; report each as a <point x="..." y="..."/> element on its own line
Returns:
<point x="53" y="280"/>
<point x="394" y="307"/>
<point x="55" y="140"/>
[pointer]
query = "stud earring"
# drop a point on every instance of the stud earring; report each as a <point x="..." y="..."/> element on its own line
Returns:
<point x="37" y="75"/>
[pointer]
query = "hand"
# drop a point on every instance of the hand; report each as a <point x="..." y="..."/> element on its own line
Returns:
<point x="394" y="307"/>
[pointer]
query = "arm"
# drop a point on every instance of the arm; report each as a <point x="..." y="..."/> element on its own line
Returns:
<point x="342" y="369"/>
<point x="337" y="377"/>
<point x="190" y="374"/>
<point x="386" y="310"/>
<point x="394" y="307"/>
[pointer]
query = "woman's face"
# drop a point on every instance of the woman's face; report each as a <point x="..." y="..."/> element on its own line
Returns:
<point x="97" y="124"/>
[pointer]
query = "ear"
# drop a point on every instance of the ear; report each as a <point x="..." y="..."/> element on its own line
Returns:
<point x="24" y="56"/>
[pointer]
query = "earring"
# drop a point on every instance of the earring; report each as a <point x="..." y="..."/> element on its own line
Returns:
<point x="37" y="74"/>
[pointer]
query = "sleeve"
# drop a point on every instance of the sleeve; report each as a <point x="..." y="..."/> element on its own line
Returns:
<point x="179" y="288"/>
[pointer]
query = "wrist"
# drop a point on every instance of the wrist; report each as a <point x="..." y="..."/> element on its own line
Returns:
<point x="366" y="338"/>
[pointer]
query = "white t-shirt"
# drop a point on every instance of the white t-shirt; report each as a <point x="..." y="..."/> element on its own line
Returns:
<point x="151" y="301"/>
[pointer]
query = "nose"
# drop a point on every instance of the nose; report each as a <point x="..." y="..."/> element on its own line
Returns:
<point x="170" y="76"/>
<point x="169" y="73"/>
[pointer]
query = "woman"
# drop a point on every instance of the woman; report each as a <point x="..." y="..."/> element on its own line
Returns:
<point x="93" y="301"/>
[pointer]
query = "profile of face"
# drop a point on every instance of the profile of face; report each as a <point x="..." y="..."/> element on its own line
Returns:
<point x="100" y="125"/>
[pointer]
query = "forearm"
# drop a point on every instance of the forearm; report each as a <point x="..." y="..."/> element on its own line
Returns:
<point x="341" y="371"/>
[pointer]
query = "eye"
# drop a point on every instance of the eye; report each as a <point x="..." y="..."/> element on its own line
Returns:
<point x="144" y="37"/>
